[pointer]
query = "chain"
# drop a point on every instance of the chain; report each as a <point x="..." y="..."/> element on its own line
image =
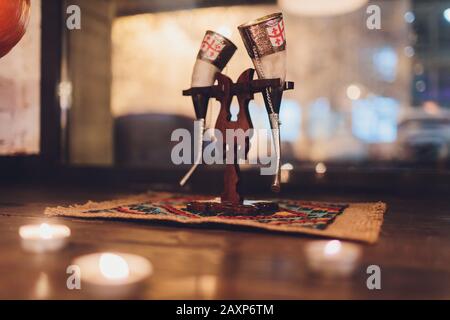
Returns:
<point x="274" y="121"/>
<point x="261" y="73"/>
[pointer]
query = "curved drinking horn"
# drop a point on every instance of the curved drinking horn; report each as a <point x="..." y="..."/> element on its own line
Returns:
<point x="265" y="41"/>
<point x="214" y="54"/>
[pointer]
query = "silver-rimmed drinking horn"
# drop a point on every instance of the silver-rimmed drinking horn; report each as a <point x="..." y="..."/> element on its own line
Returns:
<point x="214" y="54"/>
<point x="265" y="41"/>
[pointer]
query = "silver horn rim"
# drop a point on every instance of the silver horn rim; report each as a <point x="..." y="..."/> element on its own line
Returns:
<point x="275" y="124"/>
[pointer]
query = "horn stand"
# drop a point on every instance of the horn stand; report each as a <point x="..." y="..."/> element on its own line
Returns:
<point x="232" y="200"/>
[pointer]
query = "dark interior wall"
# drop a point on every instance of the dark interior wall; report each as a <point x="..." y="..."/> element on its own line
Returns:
<point x="89" y="59"/>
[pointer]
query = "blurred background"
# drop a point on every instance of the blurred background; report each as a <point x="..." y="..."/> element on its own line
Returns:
<point x="364" y="97"/>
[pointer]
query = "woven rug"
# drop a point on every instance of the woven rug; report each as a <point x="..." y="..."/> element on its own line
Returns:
<point x="350" y="221"/>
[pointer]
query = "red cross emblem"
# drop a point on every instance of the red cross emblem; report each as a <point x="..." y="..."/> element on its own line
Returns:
<point x="211" y="46"/>
<point x="276" y="34"/>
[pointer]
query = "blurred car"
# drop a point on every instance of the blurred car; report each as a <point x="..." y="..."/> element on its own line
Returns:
<point x="425" y="137"/>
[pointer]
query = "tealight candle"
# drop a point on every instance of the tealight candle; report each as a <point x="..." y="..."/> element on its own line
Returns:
<point x="332" y="258"/>
<point x="113" y="275"/>
<point x="44" y="237"/>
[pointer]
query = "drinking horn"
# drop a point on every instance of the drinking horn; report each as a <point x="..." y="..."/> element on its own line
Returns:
<point x="214" y="54"/>
<point x="265" y="41"/>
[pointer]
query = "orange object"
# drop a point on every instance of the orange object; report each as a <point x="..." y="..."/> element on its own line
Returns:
<point x="14" y="16"/>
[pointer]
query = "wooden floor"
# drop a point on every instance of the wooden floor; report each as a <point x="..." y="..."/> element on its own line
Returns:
<point x="198" y="263"/>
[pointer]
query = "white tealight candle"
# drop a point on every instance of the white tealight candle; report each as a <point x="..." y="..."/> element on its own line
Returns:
<point x="332" y="258"/>
<point x="113" y="266"/>
<point x="44" y="237"/>
<point x="113" y="275"/>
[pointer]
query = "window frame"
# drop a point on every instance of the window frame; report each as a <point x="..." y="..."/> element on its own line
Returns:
<point x="48" y="165"/>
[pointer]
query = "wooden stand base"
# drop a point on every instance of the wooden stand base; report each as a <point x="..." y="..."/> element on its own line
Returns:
<point x="232" y="209"/>
<point x="232" y="200"/>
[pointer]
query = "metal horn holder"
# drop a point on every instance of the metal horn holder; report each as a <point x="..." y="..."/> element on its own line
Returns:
<point x="232" y="200"/>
